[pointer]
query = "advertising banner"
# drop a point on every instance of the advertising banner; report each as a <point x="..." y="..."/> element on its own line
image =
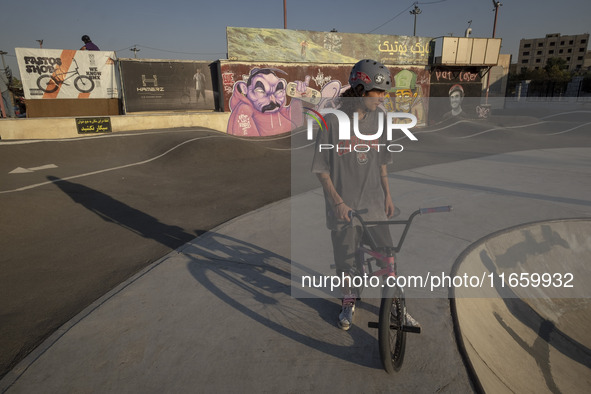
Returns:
<point x="164" y="85"/>
<point x="67" y="74"/>
<point x="282" y="45"/>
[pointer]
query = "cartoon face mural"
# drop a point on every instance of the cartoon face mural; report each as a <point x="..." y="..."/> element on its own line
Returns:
<point x="258" y="105"/>
<point x="406" y="95"/>
<point x="405" y="83"/>
<point x="265" y="90"/>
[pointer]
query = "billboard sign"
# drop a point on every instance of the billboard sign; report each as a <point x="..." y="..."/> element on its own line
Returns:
<point x="67" y="74"/>
<point x="156" y="85"/>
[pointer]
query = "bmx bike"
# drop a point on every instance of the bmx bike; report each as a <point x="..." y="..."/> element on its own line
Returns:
<point x="50" y="83"/>
<point x="392" y="320"/>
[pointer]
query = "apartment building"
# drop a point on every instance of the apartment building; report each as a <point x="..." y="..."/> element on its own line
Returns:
<point x="535" y="52"/>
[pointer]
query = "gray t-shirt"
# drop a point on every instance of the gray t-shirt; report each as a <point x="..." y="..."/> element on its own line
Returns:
<point x="355" y="175"/>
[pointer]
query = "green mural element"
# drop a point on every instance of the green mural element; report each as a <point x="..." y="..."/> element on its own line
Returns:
<point x="281" y="45"/>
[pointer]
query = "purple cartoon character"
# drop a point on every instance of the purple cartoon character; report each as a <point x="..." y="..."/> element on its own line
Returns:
<point x="258" y="105"/>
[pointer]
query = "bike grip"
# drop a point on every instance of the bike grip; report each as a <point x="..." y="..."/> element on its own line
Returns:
<point x="357" y="212"/>
<point x="446" y="208"/>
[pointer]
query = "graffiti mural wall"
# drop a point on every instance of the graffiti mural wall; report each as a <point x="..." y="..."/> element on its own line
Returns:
<point x="268" y="98"/>
<point x="272" y="74"/>
<point x="282" y="45"/>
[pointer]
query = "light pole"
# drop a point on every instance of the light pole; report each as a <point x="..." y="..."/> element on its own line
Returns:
<point x="284" y="14"/>
<point x="496" y="4"/>
<point x="416" y="11"/>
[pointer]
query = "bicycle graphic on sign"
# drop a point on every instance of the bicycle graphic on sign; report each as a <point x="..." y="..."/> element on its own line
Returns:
<point x="50" y="83"/>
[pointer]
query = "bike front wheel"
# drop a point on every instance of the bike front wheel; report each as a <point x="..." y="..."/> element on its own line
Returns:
<point x="84" y="84"/>
<point x="47" y="83"/>
<point x="391" y="337"/>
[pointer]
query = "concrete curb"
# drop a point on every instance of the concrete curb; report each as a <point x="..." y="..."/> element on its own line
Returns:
<point x="58" y="128"/>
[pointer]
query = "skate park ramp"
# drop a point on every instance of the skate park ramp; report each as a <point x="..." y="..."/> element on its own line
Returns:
<point x="520" y="337"/>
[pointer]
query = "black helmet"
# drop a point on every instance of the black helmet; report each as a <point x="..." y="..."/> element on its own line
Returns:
<point x="85" y="39"/>
<point x="371" y="74"/>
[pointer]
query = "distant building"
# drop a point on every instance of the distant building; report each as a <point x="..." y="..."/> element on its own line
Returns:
<point x="587" y="64"/>
<point x="535" y="52"/>
<point x="499" y="77"/>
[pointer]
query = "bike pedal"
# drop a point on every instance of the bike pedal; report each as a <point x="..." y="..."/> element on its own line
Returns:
<point x="411" y="329"/>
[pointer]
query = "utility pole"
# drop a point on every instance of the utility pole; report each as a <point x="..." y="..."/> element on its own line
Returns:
<point x="2" y="53"/>
<point x="416" y="11"/>
<point x="496" y="4"/>
<point x="284" y="14"/>
<point x="135" y="51"/>
<point x="3" y="112"/>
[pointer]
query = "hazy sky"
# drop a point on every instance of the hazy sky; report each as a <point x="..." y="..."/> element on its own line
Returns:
<point x="193" y="29"/>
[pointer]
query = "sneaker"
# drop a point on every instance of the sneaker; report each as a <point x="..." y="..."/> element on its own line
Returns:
<point x="410" y="321"/>
<point x="347" y="311"/>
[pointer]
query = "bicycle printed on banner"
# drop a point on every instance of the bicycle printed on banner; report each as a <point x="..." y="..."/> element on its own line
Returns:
<point x="51" y="83"/>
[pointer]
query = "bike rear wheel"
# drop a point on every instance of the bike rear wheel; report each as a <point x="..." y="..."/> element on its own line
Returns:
<point x="47" y="83"/>
<point x="391" y="337"/>
<point x="84" y="84"/>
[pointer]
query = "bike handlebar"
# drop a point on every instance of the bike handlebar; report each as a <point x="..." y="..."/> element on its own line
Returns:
<point x="446" y="208"/>
<point x="421" y="211"/>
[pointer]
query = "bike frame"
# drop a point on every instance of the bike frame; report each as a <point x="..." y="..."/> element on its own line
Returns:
<point x="392" y="323"/>
<point x="68" y="74"/>
<point x="389" y="257"/>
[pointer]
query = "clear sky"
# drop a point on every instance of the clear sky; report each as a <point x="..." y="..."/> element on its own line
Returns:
<point x="195" y="29"/>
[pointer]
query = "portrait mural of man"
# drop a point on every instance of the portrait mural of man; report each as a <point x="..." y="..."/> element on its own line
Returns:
<point x="455" y="94"/>
<point x="199" y="79"/>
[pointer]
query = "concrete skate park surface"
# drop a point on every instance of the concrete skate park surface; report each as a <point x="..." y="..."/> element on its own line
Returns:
<point x="217" y="315"/>
<point x="527" y="327"/>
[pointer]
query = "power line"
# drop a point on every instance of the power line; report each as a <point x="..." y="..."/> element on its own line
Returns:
<point x="432" y="2"/>
<point x="184" y="53"/>
<point x="403" y="11"/>
<point x="396" y="16"/>
<point x="165" y="50"/>
<point x="129" y="47"/>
